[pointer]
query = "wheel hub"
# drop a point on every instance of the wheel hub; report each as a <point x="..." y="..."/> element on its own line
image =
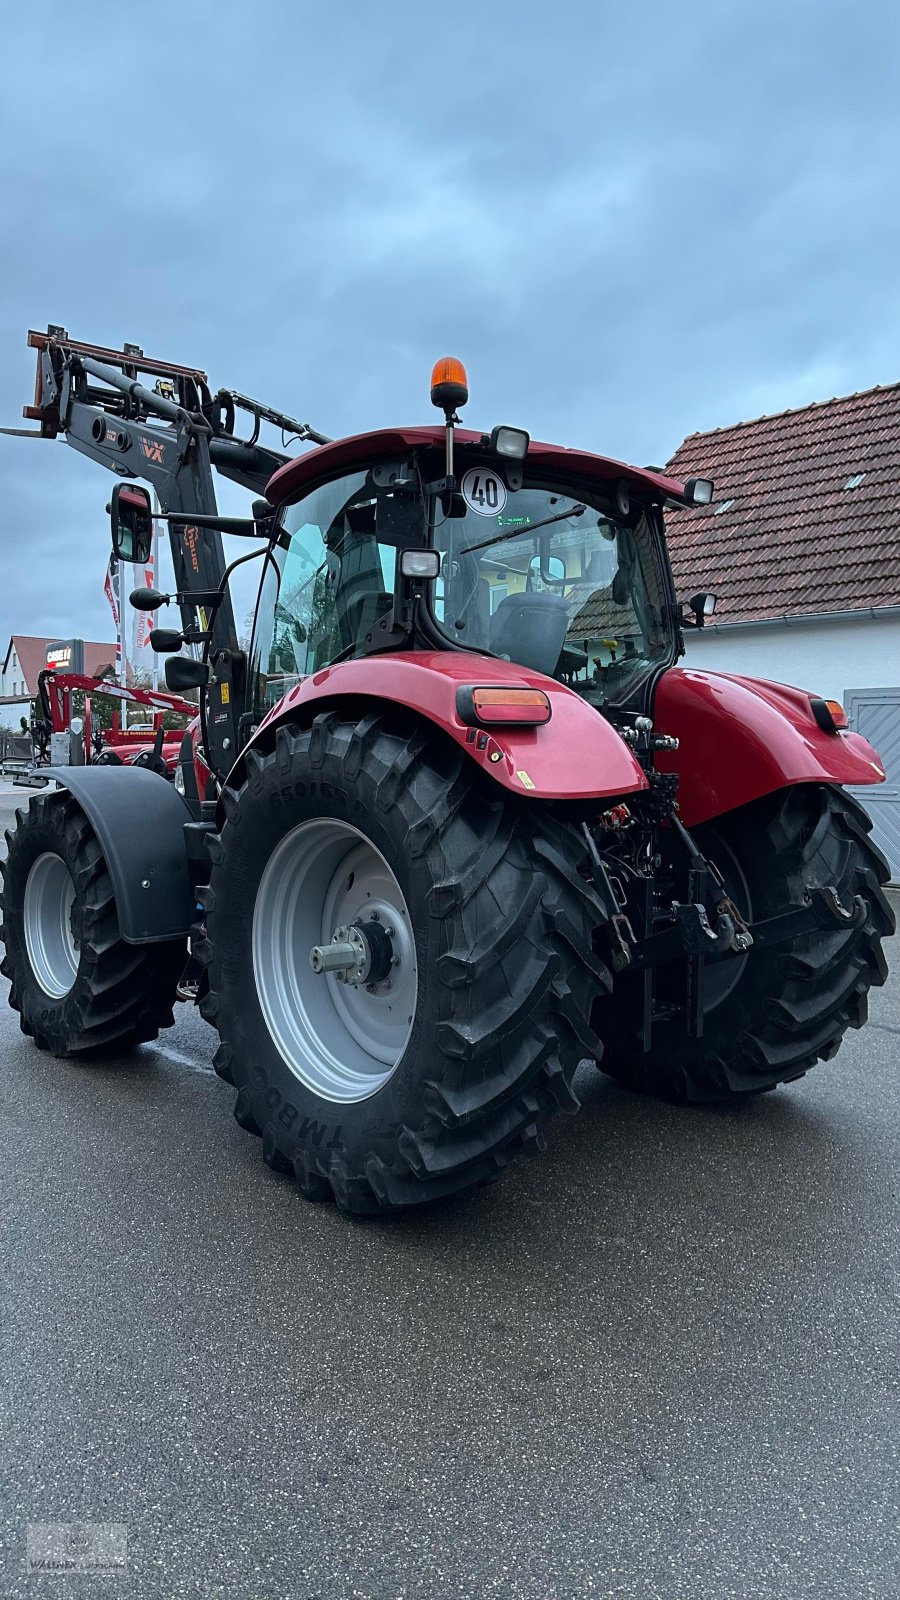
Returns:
<point x="360" y="954"/>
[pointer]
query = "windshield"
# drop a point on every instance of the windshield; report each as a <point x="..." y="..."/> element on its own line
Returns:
<point x="552" y="580"/>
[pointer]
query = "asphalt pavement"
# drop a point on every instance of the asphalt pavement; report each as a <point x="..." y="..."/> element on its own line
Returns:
<point x="660" y="1361"/>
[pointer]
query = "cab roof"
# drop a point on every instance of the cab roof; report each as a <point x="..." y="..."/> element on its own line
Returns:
<point x="327" y="460"/>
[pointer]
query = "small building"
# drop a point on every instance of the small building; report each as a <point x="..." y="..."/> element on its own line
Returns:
<point x="27" y="655"/>
<point x="801" y="545"/>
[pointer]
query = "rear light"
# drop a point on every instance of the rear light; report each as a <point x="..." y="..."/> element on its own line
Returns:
<point x="491" y="707"/>
<point x="829" y="714"/>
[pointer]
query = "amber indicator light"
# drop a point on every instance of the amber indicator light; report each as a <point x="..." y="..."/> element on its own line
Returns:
<point x="829" y="714"/>
<point x="492" y="707"/>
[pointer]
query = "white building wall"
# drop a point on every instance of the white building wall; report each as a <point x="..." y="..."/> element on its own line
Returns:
<point x="12" y="713"/>
<point x="12" y="684"/>
<point x="11" y="680"/>
<point x="828" y="658"/>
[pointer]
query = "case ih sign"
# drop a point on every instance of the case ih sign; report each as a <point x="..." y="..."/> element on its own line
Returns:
<point x="66" y="655"/>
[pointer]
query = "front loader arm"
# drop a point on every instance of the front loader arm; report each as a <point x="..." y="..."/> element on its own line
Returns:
<point x="160" y="435"/>
<point x="172" y="435"/>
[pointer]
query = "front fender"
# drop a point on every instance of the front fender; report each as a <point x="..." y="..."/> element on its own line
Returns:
<point x="577" y="755"/>
<point x="741" y="738"/>
<point x="139" y="820"/>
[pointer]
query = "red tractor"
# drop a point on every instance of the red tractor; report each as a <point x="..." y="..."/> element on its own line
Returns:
<point x="456" y="821"/>
<point x="150" y="744"/>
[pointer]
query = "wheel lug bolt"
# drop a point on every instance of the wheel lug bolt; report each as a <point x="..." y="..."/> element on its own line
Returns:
<point x="389" y="932"/>
<point x="370" y="988"/>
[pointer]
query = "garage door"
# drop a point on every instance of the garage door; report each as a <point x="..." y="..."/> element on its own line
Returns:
<point x="875" y="713"/>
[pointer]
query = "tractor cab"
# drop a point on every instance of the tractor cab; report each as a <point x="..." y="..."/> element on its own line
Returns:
<point x="548" y="558"/>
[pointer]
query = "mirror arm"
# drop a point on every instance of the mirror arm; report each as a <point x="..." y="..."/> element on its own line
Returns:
<point x="240" y="527"/>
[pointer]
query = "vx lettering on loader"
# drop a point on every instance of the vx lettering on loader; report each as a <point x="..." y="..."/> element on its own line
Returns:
<point x="457" y="820"/>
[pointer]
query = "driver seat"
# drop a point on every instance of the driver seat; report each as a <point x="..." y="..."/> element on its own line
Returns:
<point x="531" y="630"/>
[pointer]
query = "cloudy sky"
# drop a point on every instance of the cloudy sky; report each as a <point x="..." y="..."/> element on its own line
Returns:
<point x="632" y="221"/>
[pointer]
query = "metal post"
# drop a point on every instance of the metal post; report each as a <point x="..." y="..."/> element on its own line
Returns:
<point x="154" y="572"/>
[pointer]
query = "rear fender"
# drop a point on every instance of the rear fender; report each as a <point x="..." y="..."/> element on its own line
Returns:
<point x="577" y="755"/>
<point x="741" y="738"/>
<point x="139" y="820"/>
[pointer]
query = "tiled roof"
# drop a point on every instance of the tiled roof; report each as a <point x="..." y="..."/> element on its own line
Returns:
<point x="794" y="539"/>
<point x="31" y="654"/>
<point x="599" y="617"/>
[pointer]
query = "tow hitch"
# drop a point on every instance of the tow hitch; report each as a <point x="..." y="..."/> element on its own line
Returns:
<point x="690" y="932"/>
<point x="643" y="935"/>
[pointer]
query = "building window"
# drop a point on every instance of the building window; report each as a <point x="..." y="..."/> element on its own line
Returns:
<point x="854" y="481"/>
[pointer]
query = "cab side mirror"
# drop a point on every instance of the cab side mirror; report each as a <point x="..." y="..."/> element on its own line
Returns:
<point x="183" y="672"/>
<point x="131" y="523"/>
<point x="701" y="606"/>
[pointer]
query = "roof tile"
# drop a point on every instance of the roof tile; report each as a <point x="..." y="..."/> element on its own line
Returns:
<point x="795" y="541"/>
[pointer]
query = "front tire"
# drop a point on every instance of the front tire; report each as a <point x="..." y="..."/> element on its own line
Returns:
<point x="78" y="987"/>
<point x="775" y="1013"/>
<point x="498" y="925"/>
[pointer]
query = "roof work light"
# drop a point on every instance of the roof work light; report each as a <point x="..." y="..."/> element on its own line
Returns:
<point x="698" y="491"/>
<point x="510" y="442"/>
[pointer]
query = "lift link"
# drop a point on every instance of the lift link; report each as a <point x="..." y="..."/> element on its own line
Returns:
<point x="825" y="912"/>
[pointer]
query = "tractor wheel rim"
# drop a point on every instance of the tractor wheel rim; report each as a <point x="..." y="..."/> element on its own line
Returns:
<point x="49" y="937"/>
<point x="342" y="1041"/>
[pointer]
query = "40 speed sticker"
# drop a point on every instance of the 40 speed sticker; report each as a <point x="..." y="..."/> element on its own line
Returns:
<point x="484" y="492"/>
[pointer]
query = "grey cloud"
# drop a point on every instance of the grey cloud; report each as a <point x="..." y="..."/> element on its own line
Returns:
<point x="633" y="222"/>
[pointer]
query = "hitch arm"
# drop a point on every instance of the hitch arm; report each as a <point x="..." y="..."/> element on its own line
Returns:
<point x="825" y="912"/>
<point x="691" y="934"/>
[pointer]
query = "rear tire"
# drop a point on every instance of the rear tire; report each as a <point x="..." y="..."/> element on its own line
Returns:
<point x="78" y="987"/>
<point x="501" y="923"/>
<point x="790" y="1005"/>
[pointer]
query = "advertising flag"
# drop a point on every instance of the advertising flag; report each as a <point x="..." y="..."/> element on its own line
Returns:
<point x="111" y="589"/>
<point x="140" y="655"/>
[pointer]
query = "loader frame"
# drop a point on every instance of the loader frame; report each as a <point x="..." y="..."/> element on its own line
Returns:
<point x="174" y="435"/>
